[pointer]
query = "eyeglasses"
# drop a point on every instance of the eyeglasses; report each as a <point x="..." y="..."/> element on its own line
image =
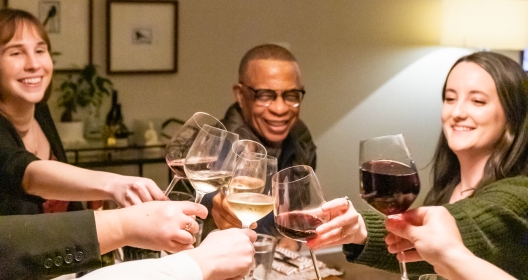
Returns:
<point x="264" y="97"/>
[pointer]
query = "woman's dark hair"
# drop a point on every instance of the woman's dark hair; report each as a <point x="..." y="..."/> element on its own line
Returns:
<point x="11" y="21"/>
<point x="510" y="155"/>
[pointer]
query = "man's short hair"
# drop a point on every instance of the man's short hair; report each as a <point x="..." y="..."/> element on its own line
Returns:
<point x="266" y="51"/>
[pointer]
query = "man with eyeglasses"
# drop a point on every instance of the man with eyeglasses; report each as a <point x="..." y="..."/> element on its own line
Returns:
<point x="268" y="96"/>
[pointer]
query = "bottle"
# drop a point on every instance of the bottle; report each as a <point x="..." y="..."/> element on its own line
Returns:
<point x="121" y="131"/>
<point x="112" y="119"/>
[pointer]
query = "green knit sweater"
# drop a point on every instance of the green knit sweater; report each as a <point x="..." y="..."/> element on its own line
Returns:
<point x="493" y="223"/>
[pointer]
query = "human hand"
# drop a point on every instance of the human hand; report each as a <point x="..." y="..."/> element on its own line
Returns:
<point x="432" y="231"/>
<point x="345" y="225"/>
<point x="225" y="254"/>
<point x="161" y="225"/>
<point x="223" y="217"/>
<point x="130" y="190"/>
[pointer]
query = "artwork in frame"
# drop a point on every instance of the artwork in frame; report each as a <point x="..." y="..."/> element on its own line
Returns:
<point x="69" y="27"/>
<point x="141" y="36"/>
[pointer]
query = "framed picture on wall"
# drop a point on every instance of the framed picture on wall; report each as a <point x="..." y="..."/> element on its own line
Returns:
<point x="69" y="27"/>
<point x="141" y="36"/>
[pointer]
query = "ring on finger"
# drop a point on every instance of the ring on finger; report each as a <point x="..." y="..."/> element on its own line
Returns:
<point x="189" y="224"/>
<point x="348" y="201"/>
<point x="343" y="233"/>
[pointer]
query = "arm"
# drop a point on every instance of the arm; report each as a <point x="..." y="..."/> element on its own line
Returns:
<point x="364" y="237"/>
<point x="30" y="244"/>
<point x="226" y="254"/>
<point x="156" y="225"/>
<point x="493" y="223"/>
<point x="61" y="181"/>
<point x="434" y="234"/>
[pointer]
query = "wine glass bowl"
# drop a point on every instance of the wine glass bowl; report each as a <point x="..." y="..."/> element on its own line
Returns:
<point x="298" y="199"/>
<point x="246" y="194"/>
<point x="388" y="176"/>
<point x="389" y="180"/>
<point x="210" y="161"/>
<point x="180" y="143"/>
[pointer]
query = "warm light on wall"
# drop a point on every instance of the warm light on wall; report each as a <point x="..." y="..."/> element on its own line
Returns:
<point x="487" y="24"/>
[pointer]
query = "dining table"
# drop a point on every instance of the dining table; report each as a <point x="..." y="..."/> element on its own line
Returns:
<point x="334" y="258"/>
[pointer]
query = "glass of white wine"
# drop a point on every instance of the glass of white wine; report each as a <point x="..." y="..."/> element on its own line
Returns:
<point x="245" y="194"/>
<point x="181" y="142"/>
<point x="210" y="162"/>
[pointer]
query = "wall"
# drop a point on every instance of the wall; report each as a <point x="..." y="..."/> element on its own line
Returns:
<point x="370" y="68"/>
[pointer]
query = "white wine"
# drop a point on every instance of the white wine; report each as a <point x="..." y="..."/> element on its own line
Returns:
<point x="245" y="184"/>
<point x="250" y="207"/>
<point x="209" y="181"/>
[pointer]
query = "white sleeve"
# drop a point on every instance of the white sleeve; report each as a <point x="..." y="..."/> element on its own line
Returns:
<point x="176" y="266"/>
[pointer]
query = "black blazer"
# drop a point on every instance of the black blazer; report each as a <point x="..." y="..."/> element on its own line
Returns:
<point x="48" y="245"/>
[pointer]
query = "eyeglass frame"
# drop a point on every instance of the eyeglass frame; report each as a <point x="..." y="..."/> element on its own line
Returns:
<point x="256" y="94"/>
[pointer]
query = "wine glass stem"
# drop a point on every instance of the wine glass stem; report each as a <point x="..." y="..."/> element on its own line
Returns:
<point x="245" y="225"/>
<point x="316" y="268"/>
<point x="403" y="268"/>
<point x="171" y="185"/>
<point x="199" y="197"/>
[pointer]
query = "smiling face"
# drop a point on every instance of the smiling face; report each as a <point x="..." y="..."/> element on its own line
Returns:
<point x="25" y="67"/>
<point x="272" y="122"/>
<point x="473" y="119"/>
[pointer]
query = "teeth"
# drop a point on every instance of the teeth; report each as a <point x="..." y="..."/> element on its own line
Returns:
<point x="31" y="80"/>
<point x="276" y="123"/>
<point x="461" y="128"/>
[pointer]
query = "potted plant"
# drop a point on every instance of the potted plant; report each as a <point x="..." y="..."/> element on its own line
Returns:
<point x="80" y="90"/>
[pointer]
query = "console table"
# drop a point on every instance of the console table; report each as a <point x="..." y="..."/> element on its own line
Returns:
<point x="96" y="154"/>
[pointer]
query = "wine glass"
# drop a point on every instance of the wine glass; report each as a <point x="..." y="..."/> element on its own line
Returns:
<point x="210" y="161"/>
<point x="181" y="141"/>
<point x="245" y="194"/>
<point x="388" y="177"/>
<point x="298" y="199"/>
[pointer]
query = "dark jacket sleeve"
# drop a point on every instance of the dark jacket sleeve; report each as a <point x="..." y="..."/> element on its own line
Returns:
<point x="47" y="245"/>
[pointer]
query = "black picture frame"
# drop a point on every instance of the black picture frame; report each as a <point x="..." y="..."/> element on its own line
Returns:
<point x="142" y="36"/>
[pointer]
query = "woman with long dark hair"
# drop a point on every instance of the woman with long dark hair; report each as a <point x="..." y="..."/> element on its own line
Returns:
<point x="479" y="173"/>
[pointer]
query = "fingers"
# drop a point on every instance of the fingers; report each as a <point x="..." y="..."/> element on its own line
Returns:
<point x="251" y="234"/>
<point x="338" y="204"/>
<point x="192" y="209"/>
<point x="222" y="215"/>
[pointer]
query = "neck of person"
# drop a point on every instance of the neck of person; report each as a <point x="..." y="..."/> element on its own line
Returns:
<point x="471" y="172"/>
<point x="19" y="115"/>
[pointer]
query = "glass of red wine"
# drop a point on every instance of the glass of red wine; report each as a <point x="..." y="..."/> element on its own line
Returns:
<point x="181" y="142"/>
<point x="389" y="180"/>
<point x="297" y="210"/>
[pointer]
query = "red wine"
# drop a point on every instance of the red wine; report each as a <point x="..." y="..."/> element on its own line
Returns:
<point x="177" y="167"/>
<point x="389" y="186"/>
<point x="296" y="225"/>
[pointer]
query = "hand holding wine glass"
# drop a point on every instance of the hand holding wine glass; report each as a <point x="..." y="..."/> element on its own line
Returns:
<point x="181" y="141"/>
<point x="246" y="194"/>
<point x="298" y="199"/>
<point x="388" y="177"/>
<point x="210" y="161"/>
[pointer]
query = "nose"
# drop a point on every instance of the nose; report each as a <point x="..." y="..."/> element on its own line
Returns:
<point x="32" y="62"/>
<point x="459" y="111"/>
<point x="278" y="106"/>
